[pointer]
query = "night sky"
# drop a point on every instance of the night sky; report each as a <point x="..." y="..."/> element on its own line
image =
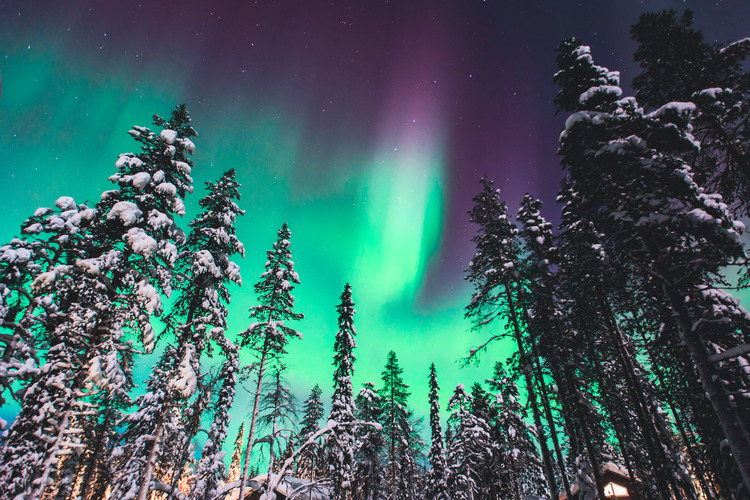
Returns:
<point x="366" y="125"/>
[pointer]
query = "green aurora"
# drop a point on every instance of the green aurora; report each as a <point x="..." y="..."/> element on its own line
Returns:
<point x="374" y="218"/>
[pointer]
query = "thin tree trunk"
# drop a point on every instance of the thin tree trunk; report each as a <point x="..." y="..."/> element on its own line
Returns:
<point x="609" y="398"/>
<point x="89" y="470"/>
<point x="550" y="420"/>
<point x="643" y="413"/>
<point x="681" y="427"/>
<point x="151" y="461"/>
<point x="253" y="421"/>
<point x="526" y="367"/>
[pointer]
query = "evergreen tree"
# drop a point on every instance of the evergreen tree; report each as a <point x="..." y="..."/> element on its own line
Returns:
<point x="679" y="65"/>
<point x="468" y="447"/>
<point x="542" y="302"/>
<point x="339" y="443"/>
<point x="520" y="473"/>
<point x="236" y="463"/>
<point x="277" y="416"/>
<point x="309" y="463"/>
<point x="437" y="487"/>
<point x="211" y="471"/>
<point x="369" y="472"/>
<point x="395" y="419"/>
<point x="267" y="336"/>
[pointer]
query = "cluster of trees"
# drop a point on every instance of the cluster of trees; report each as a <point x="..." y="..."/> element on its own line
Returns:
<point x="628" y="340"/>
<point x="80" y="289"/>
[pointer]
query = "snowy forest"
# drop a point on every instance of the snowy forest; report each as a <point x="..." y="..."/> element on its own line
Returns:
<point x="631" y="351"/>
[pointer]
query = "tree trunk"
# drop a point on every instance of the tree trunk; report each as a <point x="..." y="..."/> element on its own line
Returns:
<point x="550" y="420"/>
<point x="90" y="469"/>
<point x="642" y="408"/>
<point x="151" y="461"/>
<point x="526" y="367"/>
<point x="253" y="421"/>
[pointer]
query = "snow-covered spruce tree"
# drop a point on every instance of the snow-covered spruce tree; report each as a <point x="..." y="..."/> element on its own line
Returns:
<point x="488" y="467"/>
<point x="679" y="65"/>
<point x="96" y="306"/>
<point x="635" y="187"/>
<point x="339" y="445"/>
<point x="494" y="272"/>
<point x="236" y="462"/>
<point x="541" y="302"/>
<point x="411" y="457"/>
<point x="521" y="473"/>
<point x="205" y="270"/>
<point x="309" y="463"/>
<point x="395" y="417"/>
<point x="199" y="314"/>
<point x="600" y="345"/>
<point x="211" y="471"/>
<point x="437" y="486"/>
<point x="53" y="240"/>
<point x="470" y="440"/>
<point x="267" y="336"/>
<point x="368" y="474"/>
<point x="50" y="238"/>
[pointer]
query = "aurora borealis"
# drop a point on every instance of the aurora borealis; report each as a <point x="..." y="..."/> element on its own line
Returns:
<point x="364" y="125"/>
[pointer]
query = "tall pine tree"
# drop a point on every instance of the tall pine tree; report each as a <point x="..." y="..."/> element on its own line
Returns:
<point x="268" y="335"/>
<point x="339" y="443"/>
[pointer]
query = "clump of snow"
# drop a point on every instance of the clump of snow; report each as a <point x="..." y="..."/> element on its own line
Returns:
<point x="128" y="212"/>
<point x="187" y="144"/>
<point x="182" y="167"/>
<point x="601" y="90"/>
<point x="140" y="180"/>
<point x="109" y="194"/>
<point x="45" y="280"/>
<point x="186" y="381"/>
<point x="41" y="211"/>
<point x="35" y="228"/>
<point x="166" y="188"/>
<point x="19" y="255"/>
<point x="168" y="135"/>
<point x="95" y="372"/>
<point x="233" y="273"/>
<point x="673" y="112"/>
<point x="90" y="266"/>
<point x="149" y="296"/>
<point x="65" y="203"/>
<point x="140" y="242"/>
<point x="204" y="263"/>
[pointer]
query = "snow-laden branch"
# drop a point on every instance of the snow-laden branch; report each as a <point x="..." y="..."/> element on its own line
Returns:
<point x="166" y="488"/>
<point x="276" y="479"/>
<point x="731" y="353"/>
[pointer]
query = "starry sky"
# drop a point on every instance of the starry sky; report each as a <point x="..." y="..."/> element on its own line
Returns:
<point x="366" y="125"/>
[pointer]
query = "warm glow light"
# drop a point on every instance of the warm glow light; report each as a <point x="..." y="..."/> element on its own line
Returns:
<point x="613" y="490"/>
